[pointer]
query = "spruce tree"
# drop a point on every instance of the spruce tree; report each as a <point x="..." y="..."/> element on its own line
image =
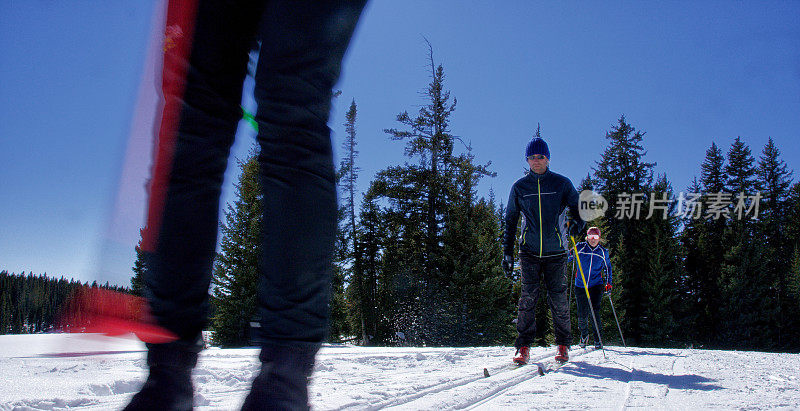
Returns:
<point x="710" y="248"/>
<point x="662" y="314"/>
<point x="740" y="170"/>
<point x="378" y="288"/>
<point x="429" y="139"/>
<point x="338" y="318"/>
<point x="481" y="315"/>
<point x="363" y="298"/>
<point x="774" y="180"/>
<point x="621" y="173"/>
<point x="339" y="325"/>
<point x="740" y="279"/>
<point x="424" y="199"/>
<point x="137" y="281"/>
<point x="236" y="274"/>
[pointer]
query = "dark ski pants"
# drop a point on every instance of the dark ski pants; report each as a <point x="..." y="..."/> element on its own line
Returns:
<point x="585" y="321"/>
<point x="207" y="47"/>
<point x="553" y="270"/>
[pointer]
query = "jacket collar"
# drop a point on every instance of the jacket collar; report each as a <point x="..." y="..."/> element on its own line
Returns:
<point x="589" y="246"/>
<point x="540" y="176"/>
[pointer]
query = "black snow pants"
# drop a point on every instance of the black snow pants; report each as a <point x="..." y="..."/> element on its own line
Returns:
<point x="207" y="45"/>
<point x="584" y="314"/>
<point x="554" y="273"/>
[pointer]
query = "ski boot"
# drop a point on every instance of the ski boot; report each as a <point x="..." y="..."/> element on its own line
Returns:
<point x="282" y="383"/>
<point x="169" y="383"/>
<point x="598" y="346"/>
<point x="584" y="341"/>
<point x="522" y="356"/>
<point x="562" y="355"/>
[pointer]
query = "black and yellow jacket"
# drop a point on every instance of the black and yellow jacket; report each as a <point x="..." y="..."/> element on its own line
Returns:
<point x="542" y="200"/>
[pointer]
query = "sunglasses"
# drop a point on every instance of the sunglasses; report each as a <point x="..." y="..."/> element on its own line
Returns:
<point x="536" y="157"/>
<point x="593" y="237"/>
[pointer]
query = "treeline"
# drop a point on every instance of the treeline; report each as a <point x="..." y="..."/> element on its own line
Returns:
<point x="715" y="264"/>
<point x="32" y="303"/>
<point x="417" y="257"/>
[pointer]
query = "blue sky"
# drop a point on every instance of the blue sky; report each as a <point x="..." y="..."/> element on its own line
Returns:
<point x="76" y="84"/>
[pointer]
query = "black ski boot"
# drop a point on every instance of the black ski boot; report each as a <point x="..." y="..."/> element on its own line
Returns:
<point x="282" y="383"/>
<point x="169" y="384"/>
<point x="584" y="341"/>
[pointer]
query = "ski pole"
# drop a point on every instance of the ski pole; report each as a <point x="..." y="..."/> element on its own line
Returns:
<point x="588" y="297"/>
<point x="615" y="319"/>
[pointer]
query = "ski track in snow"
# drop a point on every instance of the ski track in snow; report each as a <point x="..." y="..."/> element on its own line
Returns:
<point x="411" y="378"/>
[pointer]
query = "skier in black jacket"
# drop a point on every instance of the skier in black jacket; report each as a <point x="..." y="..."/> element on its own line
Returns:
<point x="542" y="197"/>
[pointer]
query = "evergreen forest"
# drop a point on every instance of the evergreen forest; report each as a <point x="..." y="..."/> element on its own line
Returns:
<point x="417" y="256"/>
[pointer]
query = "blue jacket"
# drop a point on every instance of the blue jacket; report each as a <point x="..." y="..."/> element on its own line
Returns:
<point x="542" y="200"/>
<point x="594" y="261"/>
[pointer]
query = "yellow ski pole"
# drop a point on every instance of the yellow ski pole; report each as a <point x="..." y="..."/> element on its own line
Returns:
<point x="588" y="298"/>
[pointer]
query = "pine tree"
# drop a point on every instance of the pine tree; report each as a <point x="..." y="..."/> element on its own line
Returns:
<point x="379" y="290"/>
<point x="620" y="174"/>
<point x="425" y="199"/>
<point x="361" y="293"/>
<point x="740" y="285"/>
<point x="428" y="137"/>
<point x="740" y="170"/>
<point x="137" y="281"/>
<point x="774" y="180"/>
<point x="236" y="274"/>
<point x="338" y="321"/>
<point x="661" y="314"/>
<point x="710" y="249"/>
<point x="481" y="313"/>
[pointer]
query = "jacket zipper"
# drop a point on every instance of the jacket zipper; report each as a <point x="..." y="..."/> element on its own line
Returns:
<point x="541" y="242"/>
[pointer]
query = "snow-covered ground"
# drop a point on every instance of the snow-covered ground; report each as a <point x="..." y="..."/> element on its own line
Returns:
<point x="408" y="378"/>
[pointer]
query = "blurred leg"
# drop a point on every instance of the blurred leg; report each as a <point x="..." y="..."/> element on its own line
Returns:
<point x="303" y="43"/>
<point x="302" y="46"/>
<point x="185" y="215"/>
<point x="206" y="53"/>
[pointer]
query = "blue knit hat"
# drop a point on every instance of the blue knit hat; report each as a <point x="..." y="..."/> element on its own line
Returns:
<point x="537" y="146"/>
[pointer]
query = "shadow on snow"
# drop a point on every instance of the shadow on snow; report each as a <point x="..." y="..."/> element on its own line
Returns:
<point x="673" y="382"/>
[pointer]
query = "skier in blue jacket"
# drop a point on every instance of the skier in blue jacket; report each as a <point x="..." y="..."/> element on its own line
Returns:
<point x="594" y="261"/>
<point x="541" y="197"/>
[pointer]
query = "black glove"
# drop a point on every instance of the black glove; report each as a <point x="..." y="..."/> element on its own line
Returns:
<point x="508" y="264"/>
<point x="576" y="228"/>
